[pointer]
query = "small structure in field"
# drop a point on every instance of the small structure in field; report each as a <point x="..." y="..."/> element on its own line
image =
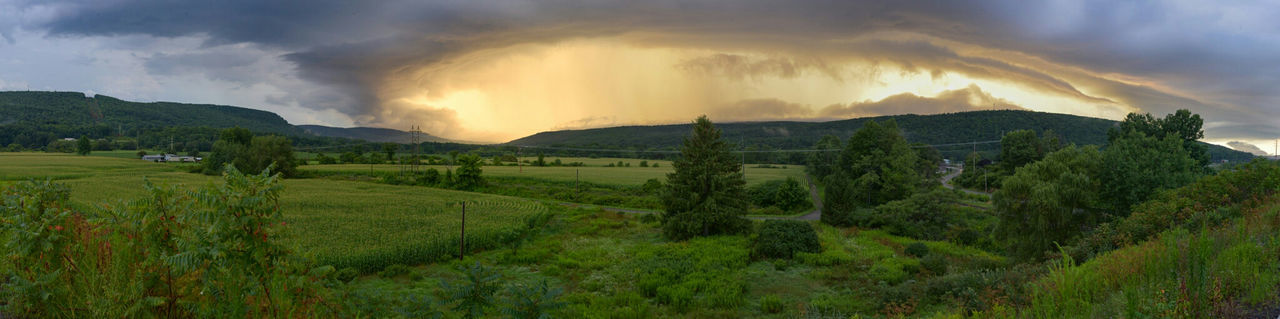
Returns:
<point x="171" y="158"/>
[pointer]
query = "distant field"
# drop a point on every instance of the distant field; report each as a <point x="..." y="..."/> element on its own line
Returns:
<point x="633" y="175"/>
<point x="348" y="223"/>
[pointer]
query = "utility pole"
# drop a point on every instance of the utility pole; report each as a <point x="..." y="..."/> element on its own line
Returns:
<point x="414" y="166"/>
<point x="462" y="239"/>
<point x="519" y="167"/>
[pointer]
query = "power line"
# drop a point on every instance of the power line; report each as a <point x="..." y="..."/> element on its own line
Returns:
<point x="738" y="151"/>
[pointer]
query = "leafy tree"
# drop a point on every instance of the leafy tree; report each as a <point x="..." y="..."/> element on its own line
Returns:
<point x="1182" y="125"/>
<point x="823" y="163"/>
<point x="1137" y="166"/>
<point x="83" y="146"/>
<point x="542" y="161"/>
<point x="1019" y="148"/>
<point x="469" y="170"/>
<point x="272" y="151"/>
<point x="706" y="191"/>
<point x="882" y="168"/>
<point x="1049" y="202"/>
<point x="929" y="159"/>
<point x="238" y="147"/>
<point x="390" y="150"/>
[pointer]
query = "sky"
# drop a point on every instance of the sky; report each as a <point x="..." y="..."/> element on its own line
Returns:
<point x="493" y="71"/>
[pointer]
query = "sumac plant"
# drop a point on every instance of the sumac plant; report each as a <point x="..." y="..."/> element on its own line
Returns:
<point x="214" y="252"/>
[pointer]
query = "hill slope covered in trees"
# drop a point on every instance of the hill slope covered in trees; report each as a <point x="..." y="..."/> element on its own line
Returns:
<point x="964" y="127"/>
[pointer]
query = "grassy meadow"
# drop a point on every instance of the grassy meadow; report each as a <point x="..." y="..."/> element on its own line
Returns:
<point x="345" y="223"/>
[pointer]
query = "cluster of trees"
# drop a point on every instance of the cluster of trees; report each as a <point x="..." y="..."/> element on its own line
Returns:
<point x="875" y="167"/>
<point x="780" y="196"/>
<point x="1050" y="201"/>
<point x="1017" y="148"/>
<point x="238" y="147"/>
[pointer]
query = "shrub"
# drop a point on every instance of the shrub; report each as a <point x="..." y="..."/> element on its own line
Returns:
<point x="771" y="304"/>
<point x="917" y="249"/>
<point x="396" y="270"/>
<point x="347" y="274"/>
<point x="936" y="264"/>
<point x="784" y="238"/>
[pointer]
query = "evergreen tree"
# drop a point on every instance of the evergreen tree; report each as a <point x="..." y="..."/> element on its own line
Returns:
<point x="705" y="194"/>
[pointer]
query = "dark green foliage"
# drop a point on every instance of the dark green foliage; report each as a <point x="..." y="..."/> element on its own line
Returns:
<point x="1181" y="125"/>
<point x="469" y="172"/>
<point x="823" y="163"/>
<point x="393" y="271"/>
<point x="936" y="264"/>
<point x="346" y="275"/>
<point x="784" y="238"/>
<point x="238" y="147"/>
<point x="916" y="249"/>
<point x="771" y="304"/>
<point x="153" y="257"/>
<point x="876" y="166"/>
<point x="474" y="295"/>
<point x="532" y="301"/>
<point x="1138" y="166"/>
<point x="1046" y="203"/>
<point x="1206" y="202"/>
<point x="706" y="192"/>
<point x="838" y="212"/>
<point x="390" y="150"/>
<point x="925" y="215"/>
<point x="83" y="146"/>
<point x="1022" y="147"/>
<point x="430" y="177"/>
<point x="787" y="195"/>
<point x="881" y="163"/>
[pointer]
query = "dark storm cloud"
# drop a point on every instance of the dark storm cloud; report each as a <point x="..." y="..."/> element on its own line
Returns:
<point x="1222" y="57"/>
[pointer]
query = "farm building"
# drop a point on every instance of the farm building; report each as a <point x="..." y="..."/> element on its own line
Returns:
<point x="170" y="158"/>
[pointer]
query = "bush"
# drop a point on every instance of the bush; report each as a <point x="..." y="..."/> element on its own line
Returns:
<point x="936" y="264"/>
<point x="396" y="270"/>
<point x="347" y="274"/>
<point x="786" y="195"/>
<point x="784" y="238"/>
<point x="771" y="304"/>
<point x="917" y="249"/>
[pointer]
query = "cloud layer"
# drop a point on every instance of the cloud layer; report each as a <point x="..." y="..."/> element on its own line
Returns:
<point x="494" y="70"/>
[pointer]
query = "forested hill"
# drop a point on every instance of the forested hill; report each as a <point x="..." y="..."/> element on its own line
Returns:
<point x="929" y="129"/>
<point x="74" y="109"/>
<point x="372" y="134"/>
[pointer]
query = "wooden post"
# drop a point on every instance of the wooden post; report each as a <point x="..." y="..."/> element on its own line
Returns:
<point x="462" y="240"/>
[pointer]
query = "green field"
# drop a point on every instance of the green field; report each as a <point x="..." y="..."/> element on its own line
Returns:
<point x="347" y="223"/>
<point x="626" y="176"/>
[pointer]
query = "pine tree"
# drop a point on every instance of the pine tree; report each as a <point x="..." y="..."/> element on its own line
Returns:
<point x="706" y="194"/>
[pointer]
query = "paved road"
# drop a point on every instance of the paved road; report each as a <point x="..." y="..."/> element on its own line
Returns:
<point x="815" y="214"/>
<point x="946" y="182"/>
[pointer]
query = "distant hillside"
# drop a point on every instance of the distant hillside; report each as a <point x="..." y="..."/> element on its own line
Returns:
<point x="929" y="129"/>
<point x="372" y="134"/>
<point x="73" y="109"/>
